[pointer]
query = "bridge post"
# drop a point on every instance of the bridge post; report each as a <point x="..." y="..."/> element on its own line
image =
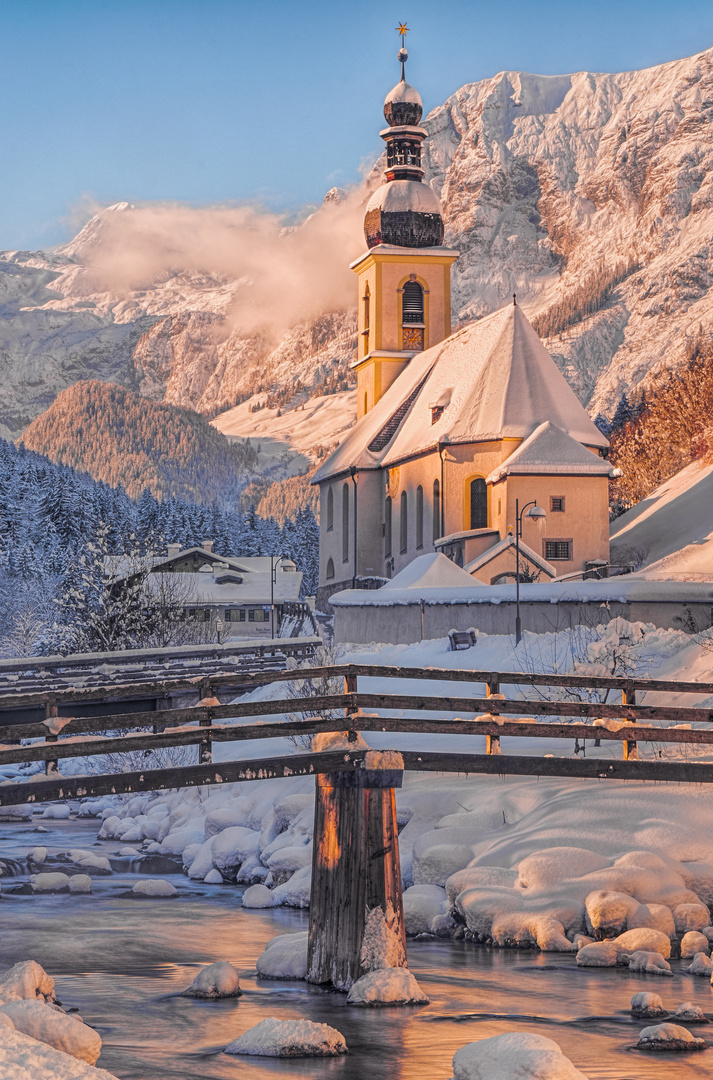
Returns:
<point x="51" y="711"/>
<point x="355" y="870"/>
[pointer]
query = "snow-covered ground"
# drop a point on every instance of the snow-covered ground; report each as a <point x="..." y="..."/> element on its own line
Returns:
<point x="291" y="438"/>
<point x="671" y="530"/>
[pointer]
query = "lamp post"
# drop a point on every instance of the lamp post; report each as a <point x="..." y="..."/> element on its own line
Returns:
<point x="275" y="561"/>
<point x="537" y="514"/>
<point x="219" y="629"/>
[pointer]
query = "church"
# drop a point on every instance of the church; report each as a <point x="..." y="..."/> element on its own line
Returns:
<point x="462" y="439"/>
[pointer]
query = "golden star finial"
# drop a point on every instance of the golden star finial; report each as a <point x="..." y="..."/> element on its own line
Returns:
<point x="402" y="28"/>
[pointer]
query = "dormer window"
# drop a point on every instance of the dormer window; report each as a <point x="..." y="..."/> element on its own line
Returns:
<point x="439" y="406"/>
<point x="437" y="412"/>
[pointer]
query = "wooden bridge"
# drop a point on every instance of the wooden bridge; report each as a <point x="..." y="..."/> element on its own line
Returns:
<point x="355" y="848"/>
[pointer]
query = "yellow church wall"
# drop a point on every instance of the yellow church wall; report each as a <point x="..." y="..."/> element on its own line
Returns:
<point x="369" y="513"/>
<point x="584" y="521"/>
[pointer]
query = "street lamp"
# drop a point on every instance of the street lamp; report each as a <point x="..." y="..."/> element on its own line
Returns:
<point x="536" y="513"/>
<point x="275" y="561"/>
<point x="219" y="628"/>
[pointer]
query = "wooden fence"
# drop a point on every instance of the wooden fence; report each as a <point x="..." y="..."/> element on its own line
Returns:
<point x="496" y="718"/>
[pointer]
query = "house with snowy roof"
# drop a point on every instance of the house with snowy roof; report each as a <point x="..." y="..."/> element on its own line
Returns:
<point x="457" y="434"/>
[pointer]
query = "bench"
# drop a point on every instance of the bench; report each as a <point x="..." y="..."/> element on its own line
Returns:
<point x="462" y="639"/>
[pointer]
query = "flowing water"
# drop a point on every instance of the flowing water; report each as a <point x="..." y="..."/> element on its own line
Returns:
<point x="123" y="963"/>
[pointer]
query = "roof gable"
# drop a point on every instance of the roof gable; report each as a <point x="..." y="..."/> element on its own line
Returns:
<point x="551" y="450"/>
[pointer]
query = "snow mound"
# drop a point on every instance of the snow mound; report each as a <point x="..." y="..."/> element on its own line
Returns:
<point x="59" y="811"/>
<point x="219" y="980"/>
<point x="26" y="981"/>
<point x="644" y="939"/>
<point x="258" y="896"/>
<point x="517" y="929"/>
<point x="387" y="986"/>
<point x="668" y="1037"/>
<point x="24" y="1058"/>
<point x="289" y="1038"/>
<point x="694" y="942"/>
<point x="53" y="882"/>
<point x="80" y="883"/>
<point x="691" y="917"/>
<point x="422" y="904"/>
<point x="213" y="877"/>
<point x="515" y="1056"/>
<point x="284" y="957"/>
<point x="702" y="965"/>
<point x="652" y="963"/>
<point x="691" y="1013"/>
<point x="648" y="1006"/>
<point x="599" y="954"/>
<point x="48" y="1024"/>
<point x="154" y="887"/>
<point x="434" y="571"/>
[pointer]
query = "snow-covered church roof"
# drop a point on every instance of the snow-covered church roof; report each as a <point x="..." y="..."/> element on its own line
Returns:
<point x="549" y="450"/>
<point x="499" y="382"/>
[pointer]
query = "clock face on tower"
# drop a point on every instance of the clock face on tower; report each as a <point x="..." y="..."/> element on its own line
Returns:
<point x="413" y="338"/>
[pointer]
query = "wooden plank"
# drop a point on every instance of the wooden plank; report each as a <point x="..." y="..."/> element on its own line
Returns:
<point x="234" y="680"/>
<point x="592" y="768"/>
<point x="228" y="772"/>
<point x="498" y="707"/>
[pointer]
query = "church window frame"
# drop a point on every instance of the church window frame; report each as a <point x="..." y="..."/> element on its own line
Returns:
<point x="419" y="517"/>
<point x="330" y="509"/>
<point x="403" y="523"/>
<point x="345" y="522"/>
<point x="476" y="512"/>
<point x="388" y="521"/>
<point x="436" y="510"/>
<point x="329" y="572"/>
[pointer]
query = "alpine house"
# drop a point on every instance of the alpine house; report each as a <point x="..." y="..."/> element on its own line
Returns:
<point x="455" y="432"/>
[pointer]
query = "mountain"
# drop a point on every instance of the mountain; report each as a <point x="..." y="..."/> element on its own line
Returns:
<point x="117" y="436"/>
<point x="588" y="195"/>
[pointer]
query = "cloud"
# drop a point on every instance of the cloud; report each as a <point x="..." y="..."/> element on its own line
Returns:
<point x="276" y="275"/>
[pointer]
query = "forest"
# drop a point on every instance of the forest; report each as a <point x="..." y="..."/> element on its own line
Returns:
<point x="58" y="527"/>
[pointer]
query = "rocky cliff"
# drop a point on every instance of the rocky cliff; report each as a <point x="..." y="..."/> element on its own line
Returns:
<point x="589" y="196"/>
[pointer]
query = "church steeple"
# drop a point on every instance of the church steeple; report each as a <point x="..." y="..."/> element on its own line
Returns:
<point x="403" y="211"/>
<point x="404" y="277"/>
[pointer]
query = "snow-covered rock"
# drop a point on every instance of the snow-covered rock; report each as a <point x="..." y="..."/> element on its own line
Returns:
<point x="27" y="980"/>
<point x="422" y="904"/>
<point x="24" y="1058"/>
<point x="690" y="1014"/>
<point x="80" y="883"/>
<point x="258" y="896"/>
<point x="652" y="963"/>
<point x="647" y="1006"/>
<point x="521" y="1055"/>
<point x="691" y="917"/>
<point x="694" y="942"/>
<point x="218" y="980"/>
<point x="284" y="957"/>
<point x="644" y="939"/>
<point x="154" y="887"/>
<point x="49" y="882"/>
<point x="387" y="986"/>
<point x="213" y="877"/>
<point x="702" y="965"/>
<point x="599" y="954"/>
<point x="58" y="811"/>
<point x="289" y="1038"/>
<point x="668" y="1037"/>
<point x="232" y="847"/>
<point x="48" y="1024"/>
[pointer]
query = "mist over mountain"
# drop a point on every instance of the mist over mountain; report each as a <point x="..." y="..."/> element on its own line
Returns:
<point x="590" y="196"/>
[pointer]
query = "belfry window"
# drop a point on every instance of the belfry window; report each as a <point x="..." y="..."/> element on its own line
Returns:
<point x="412" y="306"/>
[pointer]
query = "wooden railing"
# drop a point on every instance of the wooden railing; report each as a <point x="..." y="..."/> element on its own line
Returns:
<point x="200" y="726"/>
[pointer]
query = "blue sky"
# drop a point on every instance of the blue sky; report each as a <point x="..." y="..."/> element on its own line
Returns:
<point x="215" y="101"/>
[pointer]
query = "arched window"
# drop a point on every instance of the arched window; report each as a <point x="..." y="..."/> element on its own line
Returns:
<point x="387" y="527"/>
<point x="403" y="522"/>
<point x="412" y="303"/>
<point x="330" y="510"/>
<point x="478" y="504"/>
<point x="436" y="510"/>
<point x="330" y="569"/>
<point x="345" y="523"/>
<point x="419" y="516"/>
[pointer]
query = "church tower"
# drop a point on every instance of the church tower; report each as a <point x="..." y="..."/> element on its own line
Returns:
<point x="404" y="276"/>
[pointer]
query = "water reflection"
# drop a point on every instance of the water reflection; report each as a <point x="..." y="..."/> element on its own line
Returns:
<point x="123" y="963"/>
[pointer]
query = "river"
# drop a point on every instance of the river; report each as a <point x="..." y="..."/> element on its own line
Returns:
<point x="123" y="963"/>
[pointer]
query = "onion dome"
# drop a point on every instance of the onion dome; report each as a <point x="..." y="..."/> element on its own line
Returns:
<point x="403" y="105"/>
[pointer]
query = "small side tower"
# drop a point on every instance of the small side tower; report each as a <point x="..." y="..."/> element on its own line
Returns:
<point x="404" y="277"/>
